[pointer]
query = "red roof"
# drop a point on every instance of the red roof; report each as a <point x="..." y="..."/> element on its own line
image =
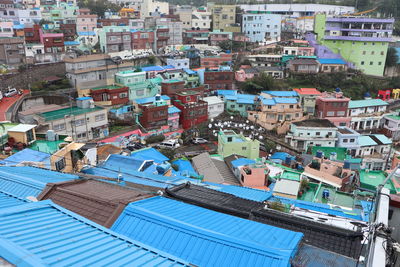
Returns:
<point x="307" y="91"/>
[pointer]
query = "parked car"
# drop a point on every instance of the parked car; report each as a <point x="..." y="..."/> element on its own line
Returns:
<point x="11" y="92"/>
<point x="135" y="146"/>
<point x="169" y="144"/>
<point x="199" y="141"/>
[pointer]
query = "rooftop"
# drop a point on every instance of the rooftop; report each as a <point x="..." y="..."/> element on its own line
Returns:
<point x="317" y="123"/>
<point x="335" y="61"/>
<point x="367" y="103"/>
<point x="194" y="234"/>
<point x="46" y="146"/>
<point x="27" y="154"/>
<point x="281" y="93"/>
<point x="372" y="179"/>
<point x="97" y="201"/>
<point x="307" y="91"/>
<point x="341" y="152"/>
<point x="22" y="128"/>
<point x="331" y="238"/>
<point x="61" y="113"/>
<point x="109" y="87"/>
<point x="44" y="234"/>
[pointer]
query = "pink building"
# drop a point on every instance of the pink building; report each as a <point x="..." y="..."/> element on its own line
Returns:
<point x="85" y="22"/>
<point x="245" y="72"/>
<point x="6" y="29"/>
<point x="254" y="175"/>
<point x="333" y="106"/>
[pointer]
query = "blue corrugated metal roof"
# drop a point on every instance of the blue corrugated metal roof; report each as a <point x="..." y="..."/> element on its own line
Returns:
<point x="331" y="61"/>
<point x="27" y="155"/>
<point x="29" y="181"/>
<point x="71" y="43"/>
<point x="365" y="140"/>
<point x="242" y="162"/>
<point x="173" y="109"/>
<point x="226" y="92"/>
<point x="383" y="139"/>
<point x="150" y="99"/>
<point x="281" y="93"/>
<point x="152" y="68"/>
<point x="398" y="54"/>
<point x="122" y="163"/>
<point x="84" y="98"/>
<point x="8" y="200"/>
<point x="149" y="154"/>
<point x="282" y="100"/>
<point x="45" y="234"/>
<point x="90" y="33"/>
<point x="281" y="156"/>
<point x="240" y="191"/>
<point x="204" y="237"/>
<point x="189" y="71"/>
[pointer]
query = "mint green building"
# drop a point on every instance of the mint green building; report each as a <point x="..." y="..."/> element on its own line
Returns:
<point x="115" y="39"/>
<point x="139" y="86"/>
<point x="230" y="143"/>
<point x="362" y="41"/>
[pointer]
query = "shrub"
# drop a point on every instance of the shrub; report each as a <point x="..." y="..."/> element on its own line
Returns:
<point x="155" y="139"/>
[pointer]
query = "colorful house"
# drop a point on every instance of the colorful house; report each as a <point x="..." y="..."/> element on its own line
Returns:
<point x="230" y="143"/>
<point x="139" y="86"/>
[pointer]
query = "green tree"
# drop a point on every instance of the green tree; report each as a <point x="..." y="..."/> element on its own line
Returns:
<point x="258" y="84"/>
<point x="98" y="7"/>
<point x="152" y="59"/>
<point x="396" y="28"/>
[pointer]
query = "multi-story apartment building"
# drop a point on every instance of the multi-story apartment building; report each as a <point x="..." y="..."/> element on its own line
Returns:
<point x="82" y="122"/>
<point x="222" y="16"/>
<point x="362" y="41"/>
<point x="139" y="86"/>
<point x="193" y="109"/>
<point x="6" y="28"/>
<point x="12" y="51"/>
<point x="113" y="22"/>
<point x="162" y="38"/>
<point x="307" y="98"/>
<point x="136" y="24"/>
<point x="366" y="114"/>
<point x="333" y="106"/>
<point x="218" y="80"/>
<point x="275" y="111"/>
<point x="201" y="19"/>
<point x="142" y="39"/>
<point x="391" y="125"/>
<point x="53" y="42"/>
<point x="215" y="61"/>
<point x="195" y="36"/>
<point x="262" y="27"/>
<point x="153" y="112"/>
<point x="312" y="132"/>
<point x="92" y="71"/>
<point x="85" y="21"/>
<point x="175" y="29"/>
<point x="114" y="39"/>
<point x="69" y="31"/>
<point x="22" y="16"/>
<point x="110" y="95"/>
<point x="185" y="15"/>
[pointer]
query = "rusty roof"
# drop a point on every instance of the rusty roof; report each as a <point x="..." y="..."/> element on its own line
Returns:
<point x="95" y="200"/>
<point x="86" y="58"/>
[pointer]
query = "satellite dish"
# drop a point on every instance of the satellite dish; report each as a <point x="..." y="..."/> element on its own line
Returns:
<point x="260" y="137"/>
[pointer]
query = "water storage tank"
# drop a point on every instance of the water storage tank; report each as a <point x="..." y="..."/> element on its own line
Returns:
<point x="319" y="154"/>
<point x="325" y="194"/>
<point x="288" y="160"/>
<point x="333" y="156"/>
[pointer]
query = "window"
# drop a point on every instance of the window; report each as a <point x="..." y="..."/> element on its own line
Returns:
<point x="382" y="53"/>
<point x="317" y="133"/>
<point x="345" y="140"/>
<point x="244" y="148"/>
<point x="123" y="95"/>
<point x="379" y="63"/>
<point x="352" y="140"/>
<point x="364" y="52"/>
<point x="372" y="52"/>
<point x="100" y="117"/>
<point x="291" y="106"/>
<point x="79" y="122"/>
<point x="340" y="113"/>
<point x="371" y="63"/>
<point x="59" y="127"/>
<point x="126" y="38"/>
<point x="60" y="164"/>
<point x="362" y="62"/>
<point x="81" y="135"/>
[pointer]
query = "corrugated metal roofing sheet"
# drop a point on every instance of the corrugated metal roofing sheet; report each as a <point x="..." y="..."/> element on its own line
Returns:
<point x="240" y="191"/>
<point x="242" y="162"/>
<point x="28" y="181"/>
<point x="7" y="200"/>
<point x="45" y="234"/>
<point x="281" y="93"/>
<point x="173" y="109"/>
<point x="367" y="103"/>
<point x="27" y="155"/>
<point x="149" y="154"/>
<point x="204" y="237"/>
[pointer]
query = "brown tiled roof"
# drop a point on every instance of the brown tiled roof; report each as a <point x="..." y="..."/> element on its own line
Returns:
<point x="104" y="151"/>
<point x="98" y="201"/>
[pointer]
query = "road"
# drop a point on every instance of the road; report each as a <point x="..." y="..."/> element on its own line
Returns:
<point x="7" y="102"/>
<point x="197" y="149"/>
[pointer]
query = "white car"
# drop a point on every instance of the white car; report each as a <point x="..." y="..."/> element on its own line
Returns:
<point x="11" y="92"/>
<point x="199" y="141"/>
<point x="169" y="144"/>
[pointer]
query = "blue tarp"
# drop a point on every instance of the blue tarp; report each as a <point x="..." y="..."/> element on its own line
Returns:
<point x="27" y="155"/>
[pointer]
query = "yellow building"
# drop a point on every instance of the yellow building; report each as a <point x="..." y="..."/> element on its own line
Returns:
<point x="396" y="93"/>
<point x="223" y="16"/>
<point x="127" y="12"/>
<point x="68" y="159"/>
<point x="23" y="133"/>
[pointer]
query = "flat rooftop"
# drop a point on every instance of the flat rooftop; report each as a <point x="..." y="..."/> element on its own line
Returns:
<point x="60" y="113"/>
<point x="46" y="146"/>
<point x="322" y="123"/>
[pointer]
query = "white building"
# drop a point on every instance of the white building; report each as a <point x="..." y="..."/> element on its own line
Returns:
<point x="178" y="63"/>
<point x="136" y="24"/>
<point x="215" y="106"/>
<point x="185" y="15"/>
<point x="375" y="151"/>
<point x="391" y="125"/>
<point x="299" y="10"/>
<point x="312" y="132"/>
<point x="82" y="122"/>
<point x="261" y="27"/>
<point x="201" y="19"/>
<point x="366" y="114"/>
